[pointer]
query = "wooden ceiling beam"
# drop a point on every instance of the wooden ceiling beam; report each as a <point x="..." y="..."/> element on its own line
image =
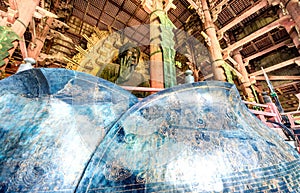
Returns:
<point x="276" y="67"/>
<point x="208" y="76"/>
<point x="286" y="93"/>
<point x="254" y="46"/>
<point x="257" y="6"/>
<point x="295" y="87"/>
<point x="271" y="38"/>
<point x="280" y="22"/>
<point x="285" y="85"/>
<point x="278" y="78"/>
<point x="231" y="11"/>
<point x="291" y="101"/>
<point x="270" y="49"/>
<point x="290" y="109"/>
<point x="232" y="61"/>
<point x="101" y="13"/>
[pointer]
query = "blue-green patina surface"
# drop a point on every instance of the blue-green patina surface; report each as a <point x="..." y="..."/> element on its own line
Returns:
<point x="64" y="131"/>
<point x="51" y="122"/>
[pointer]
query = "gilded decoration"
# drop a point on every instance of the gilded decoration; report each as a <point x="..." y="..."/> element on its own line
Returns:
<point x="103" y="58"/>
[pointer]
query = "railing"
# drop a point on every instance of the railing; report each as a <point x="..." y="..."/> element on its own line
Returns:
<point x="267" y="113"/>
<point x="293" y="118"/>
<point x="271" y="113"/>
<point x="269" y="110"/>
<point x="143" y="89"/>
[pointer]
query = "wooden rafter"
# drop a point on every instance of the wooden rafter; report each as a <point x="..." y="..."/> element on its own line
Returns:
<point x="286" y="85"/>
<point x="232" y="61"/>
<point x="295" y="87"/>
<point x="215" y="10"/>
<point x="291" y="101"/>
<point x="282" y="21"/>
<point x="271" y="38"/>
<point x="270" y="49"/>
<point x="257" y="6"/>
<point x="276" y="67"/>
<point x="278" y="78"/>
<point x="254" y="46"/>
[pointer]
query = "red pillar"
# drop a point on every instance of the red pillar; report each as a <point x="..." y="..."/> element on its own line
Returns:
<point x="293" y="7"/>
<point x="26" y="10"/>
<point x="214" y="47"/>
<point x="295" y="37"/>
<point x="290" y="28"/>
<point x="39" y="40"/>
<point x="156" y="58"/>
<point x="245" y="80"/>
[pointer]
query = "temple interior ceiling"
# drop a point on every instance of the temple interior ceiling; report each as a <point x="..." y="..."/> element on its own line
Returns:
<point x="263" y="36"/>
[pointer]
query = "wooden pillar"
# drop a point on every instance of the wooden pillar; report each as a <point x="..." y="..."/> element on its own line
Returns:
<point x="286" y="19"/>
<point x="258" y="5"/>
<point x="295" y="37"/>
<point x="34" y="50"/>
<point x="291" y="30"/>
<point x="214" y="46"/>
<point x="293" y="7"/>
<point x="3" y="20"/>
<point x="26" y="10"/>
<point x="39" y="41"/>
<point x="9" y="17"/>
<point x="245" y="79"/>
<point x="156" y="57"/>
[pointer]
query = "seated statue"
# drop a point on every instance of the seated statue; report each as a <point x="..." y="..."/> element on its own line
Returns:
<point x="129" y="56"/>
<point x="126" y="74"/>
